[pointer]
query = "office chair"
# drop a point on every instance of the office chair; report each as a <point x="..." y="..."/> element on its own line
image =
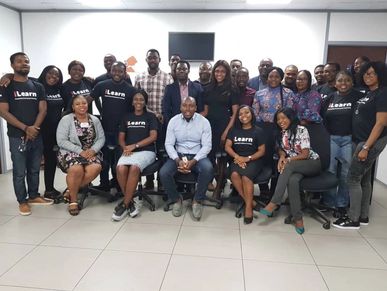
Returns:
<point x="320" y="143"/>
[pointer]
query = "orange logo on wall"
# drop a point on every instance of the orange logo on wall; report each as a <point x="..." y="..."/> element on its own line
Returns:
<point x="130" y="63"/>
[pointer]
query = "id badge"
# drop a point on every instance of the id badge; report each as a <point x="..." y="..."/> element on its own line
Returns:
<point x="84" y="125"/>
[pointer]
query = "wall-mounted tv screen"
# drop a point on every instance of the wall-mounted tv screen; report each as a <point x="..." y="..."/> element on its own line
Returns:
<point x="192" y="46"/>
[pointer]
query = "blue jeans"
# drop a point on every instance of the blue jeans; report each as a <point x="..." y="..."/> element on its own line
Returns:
<point x="341" y="147"/>
<point x="205" y="173"/>
<point x="26" y="160"/>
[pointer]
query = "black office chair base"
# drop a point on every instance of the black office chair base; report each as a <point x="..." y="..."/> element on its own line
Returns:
<point x="105" y="194"/>
<point x="316" y="213"/>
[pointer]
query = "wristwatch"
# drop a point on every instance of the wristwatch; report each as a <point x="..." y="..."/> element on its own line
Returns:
<point x="137" y="145"/>
<point x="249" y="158"/>
<point x="365" y="147"/>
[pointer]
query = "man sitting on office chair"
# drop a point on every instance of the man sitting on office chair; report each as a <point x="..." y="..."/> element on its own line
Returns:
<point x="188" y="141"/>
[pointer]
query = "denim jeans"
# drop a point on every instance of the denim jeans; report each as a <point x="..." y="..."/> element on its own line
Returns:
<point x="359" y="179"/>
<point x="341" y="147"/>
<point x="26" y="160"/>
<point x="205" y="173"/>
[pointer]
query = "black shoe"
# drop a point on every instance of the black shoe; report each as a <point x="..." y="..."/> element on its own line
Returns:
<point x="346" y="223"/>
<point x="149" y="185"/>
<point x="340" y="212"/>
<point x="53" y="194"/>
<point x="134" y="209"/>
<point x="364" y="221"/>
<point x="120" y="211"/>
<point x="247" y="220"/>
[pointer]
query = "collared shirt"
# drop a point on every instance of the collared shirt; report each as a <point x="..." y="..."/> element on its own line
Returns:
<point x="188" y="137"/>
<point x="183" y="90"/>
<point x="294" y="145"/>
<point x="154" y="86"/>
<point x="257" y="83"/>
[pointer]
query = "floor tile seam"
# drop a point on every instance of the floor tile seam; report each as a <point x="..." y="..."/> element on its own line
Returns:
<point x="352" y="267"/>
<point x="171" y="255"/>
<point x="11" y="217"/>
<point x="242" y="260"/>
<point x="208" y="257"/>
<point x="380" y="204"/>
<point x="18" y="244"/>
<point x="37" y="288"/>
<point x="71" y="247"/>
<point x="279" y="262"/>
<point x="315" y="262"/>
<point x="52" y="233"/>
<point x="98" y="256"/>
<point x="369" y="243"/>
<point x="19" y="260"/>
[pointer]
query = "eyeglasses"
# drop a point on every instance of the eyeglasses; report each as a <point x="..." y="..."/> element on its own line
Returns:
<point x="370" y="74"/>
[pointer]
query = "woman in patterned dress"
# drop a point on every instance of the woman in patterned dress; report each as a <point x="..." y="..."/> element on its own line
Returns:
<point x="80" y="138"/>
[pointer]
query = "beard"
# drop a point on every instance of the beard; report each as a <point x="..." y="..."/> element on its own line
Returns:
<point x="23" y="73"/>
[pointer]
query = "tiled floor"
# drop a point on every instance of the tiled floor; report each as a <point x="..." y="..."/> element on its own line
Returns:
<point x="50" y="250"/>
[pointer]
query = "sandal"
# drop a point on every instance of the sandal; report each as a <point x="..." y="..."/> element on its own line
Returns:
<point x="66" y="196"/>
<point x="73" y="209"/>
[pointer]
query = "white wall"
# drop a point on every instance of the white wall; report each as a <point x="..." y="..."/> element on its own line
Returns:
<point x="88" y="37"/>
<point x="288" y="38"/>
<point x="10" y="42"/>
<point x="359" y="27"/>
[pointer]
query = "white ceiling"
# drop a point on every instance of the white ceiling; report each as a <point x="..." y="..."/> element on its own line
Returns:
<point x="193" y="4"/>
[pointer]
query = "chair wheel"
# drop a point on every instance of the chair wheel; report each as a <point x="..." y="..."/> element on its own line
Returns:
<point x="166" y="208"/>
<point x="238" y="215"/>
<point x="152" y="208"/>
<point x="288" y="220"/>
<point x="327" y="225"/>
<point x="219" y="205"/>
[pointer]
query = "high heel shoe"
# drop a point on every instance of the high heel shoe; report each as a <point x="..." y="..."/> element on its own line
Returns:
<point x="248" y="220"/>
<point x="300" y="230"/>
<point x="266" y="212"/>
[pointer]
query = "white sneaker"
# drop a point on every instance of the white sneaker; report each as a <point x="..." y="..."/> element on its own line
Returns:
<point x="134" y="209"/>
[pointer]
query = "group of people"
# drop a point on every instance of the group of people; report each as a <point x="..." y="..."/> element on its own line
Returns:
<point x="251" y="119"/>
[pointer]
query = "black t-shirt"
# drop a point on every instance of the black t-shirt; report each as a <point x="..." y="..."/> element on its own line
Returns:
<point x="364" y="116"/>
<point x="220" y="102"/>
<point x="138" y="127"/>
<point x="107" y="76"/>
<point x="23" y="100"/>
<point x="69" y="90"/>
<point x="325" y="90"/>
<point x="337" y="112"/>
<point x="117" y="99"/>
<point x="245" y="142"/>
<point x="55" y="105"/>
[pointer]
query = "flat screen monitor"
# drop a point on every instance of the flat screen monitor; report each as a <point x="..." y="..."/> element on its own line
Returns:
<point x="192" y="46"/>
